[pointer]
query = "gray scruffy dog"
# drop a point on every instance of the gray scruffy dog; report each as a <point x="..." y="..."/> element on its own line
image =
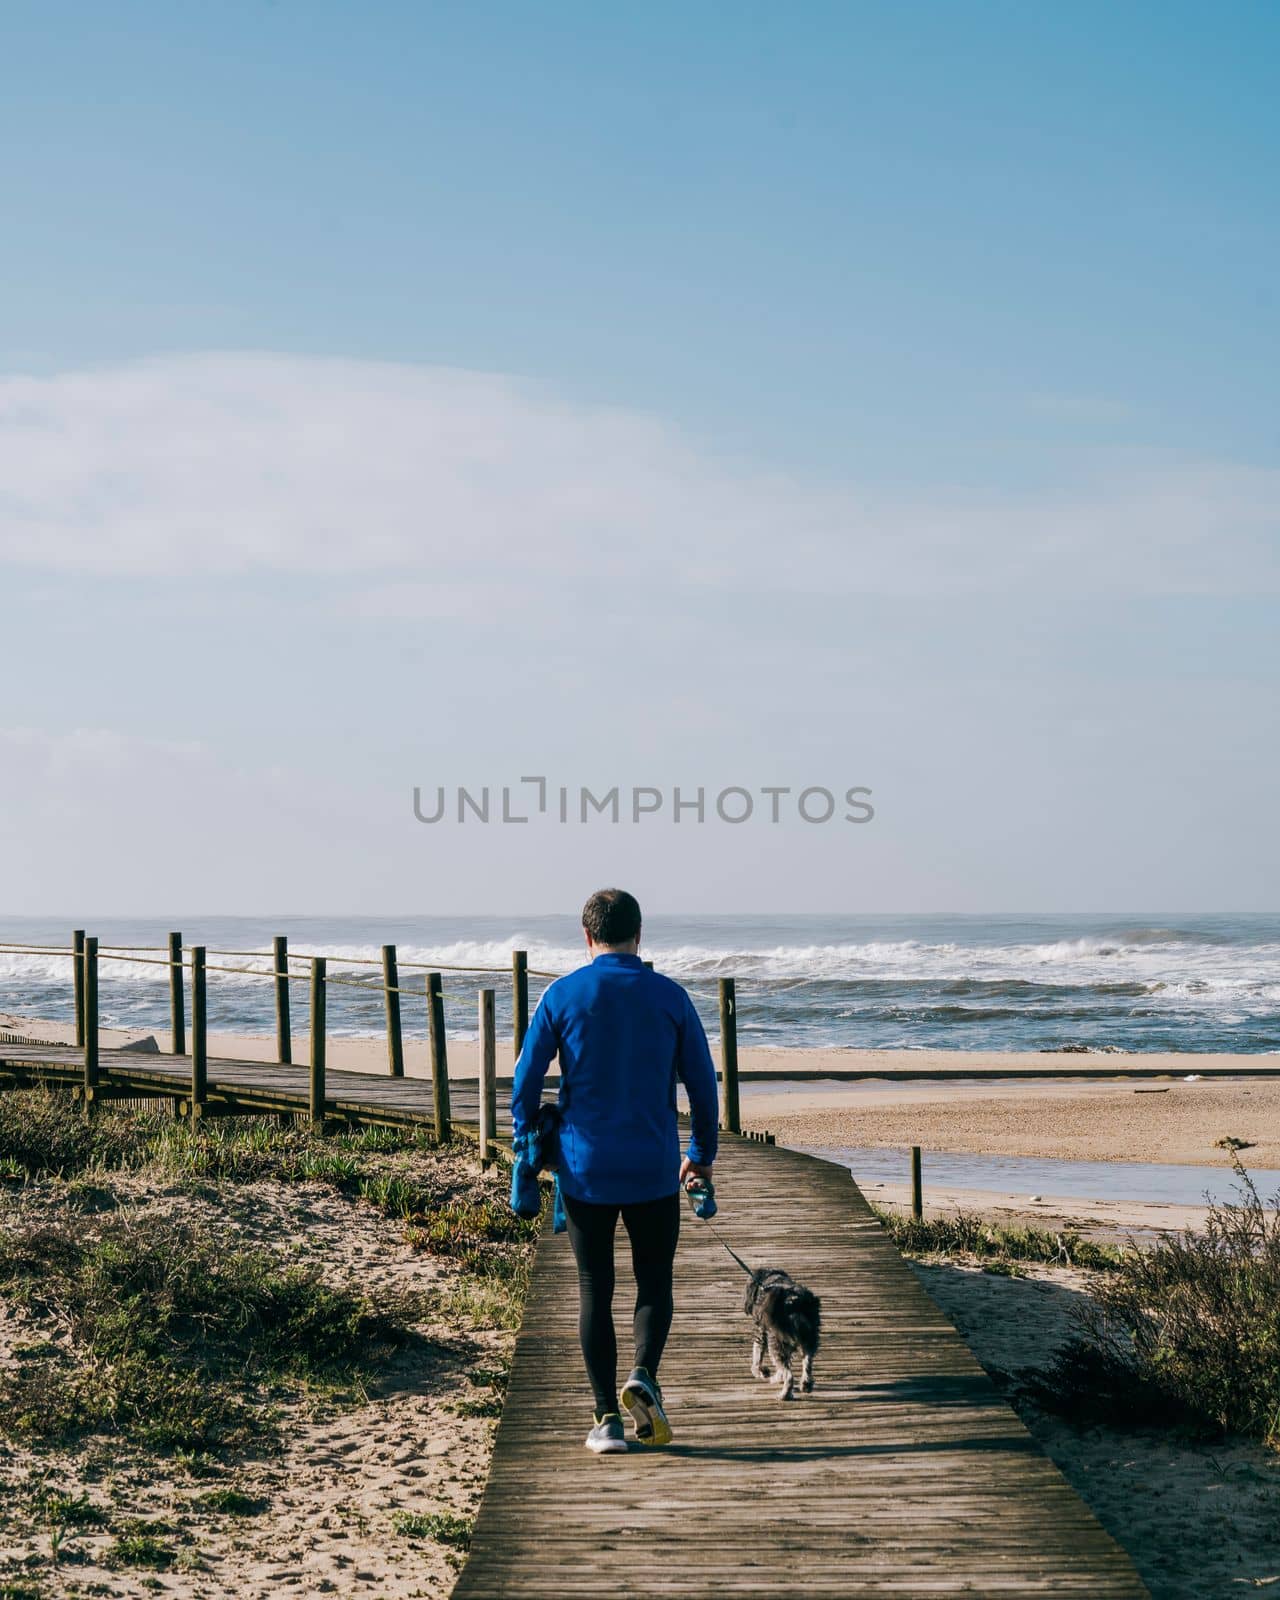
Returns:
<point x="786" y="1318"/>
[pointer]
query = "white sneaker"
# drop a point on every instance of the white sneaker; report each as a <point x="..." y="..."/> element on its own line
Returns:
<point x="607" y="1435"/>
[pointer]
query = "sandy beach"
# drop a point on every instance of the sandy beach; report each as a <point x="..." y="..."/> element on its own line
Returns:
<point x="1181" y="1123"/>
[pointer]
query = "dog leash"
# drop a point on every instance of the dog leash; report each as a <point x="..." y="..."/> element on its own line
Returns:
<point x="702" y="1197"/>
<point x="748" y="1270"/>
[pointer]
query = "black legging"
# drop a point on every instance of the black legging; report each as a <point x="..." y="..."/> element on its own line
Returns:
<point x="653" y="1228"/>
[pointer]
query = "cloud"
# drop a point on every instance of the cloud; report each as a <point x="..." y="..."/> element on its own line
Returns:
<point x="377" y="473"/>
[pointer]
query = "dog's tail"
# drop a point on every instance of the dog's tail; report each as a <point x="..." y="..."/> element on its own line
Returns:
<point x="804" y="1312"/>
<point x="773" y="1305"/>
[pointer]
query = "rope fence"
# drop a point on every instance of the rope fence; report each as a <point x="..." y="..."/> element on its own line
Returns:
<point x="115" y="952"/>
<point x="192" y="970"/>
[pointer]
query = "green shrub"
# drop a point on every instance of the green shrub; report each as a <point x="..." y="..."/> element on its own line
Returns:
<point x="72" y="1510"/>
<point x="467" y="1231"/>
<point x="1186" y="1331"/>
<point x="479" y="1405"/>
<point x="441" y="1527"/>
<point x="139" y="1546"/>
<point x="233" y="1502"/>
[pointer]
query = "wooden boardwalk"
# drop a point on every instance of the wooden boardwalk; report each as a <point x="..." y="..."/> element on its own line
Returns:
<point x="361" y="1097"/>
<point x="904" y="1474"/>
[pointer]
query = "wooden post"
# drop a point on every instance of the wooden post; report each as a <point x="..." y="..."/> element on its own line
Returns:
<point x="177" y="1018"/>
<point x="318" y="965"/>
<point x="649" y="964"/>
<point x="488" y="1078"/>
<point x="284" y="1028"/>
<point x="77" y="983"/>
<point x="917" y="1185"/>
<point x="89" y="961"/>
<point x="439" y="1058"/>
<point x="519" y="999"/>
<point x="730" y="1116"/>
<point x="199" y="1033"/>
<point x="391" y="993"/>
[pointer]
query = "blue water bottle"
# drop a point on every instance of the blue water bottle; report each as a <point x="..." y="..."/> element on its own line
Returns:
<point x="702" y="1196"/>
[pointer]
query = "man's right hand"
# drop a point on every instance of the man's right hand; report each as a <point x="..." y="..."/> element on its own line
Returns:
<point x="692" y="1169"/>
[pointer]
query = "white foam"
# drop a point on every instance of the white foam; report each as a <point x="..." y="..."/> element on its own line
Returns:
<point x="1179" y="967"/>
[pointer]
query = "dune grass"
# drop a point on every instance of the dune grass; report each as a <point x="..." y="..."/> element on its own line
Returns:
<point x="42" y="1137"/>
<point x="159" y="1332"/>
<point x="968" y="1234"/>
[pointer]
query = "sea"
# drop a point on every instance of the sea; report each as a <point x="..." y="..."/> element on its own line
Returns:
<point x="1047" y="982"/>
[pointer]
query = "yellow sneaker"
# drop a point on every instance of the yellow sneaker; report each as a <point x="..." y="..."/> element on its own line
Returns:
<point x="642" y="1401"/>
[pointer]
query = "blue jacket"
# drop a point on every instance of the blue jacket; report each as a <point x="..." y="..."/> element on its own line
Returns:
<point x="624" y="1034"/>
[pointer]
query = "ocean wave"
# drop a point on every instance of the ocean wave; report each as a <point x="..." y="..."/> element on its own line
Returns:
<point x="35" y="969"/>
<point x="1005" y="983"/>
<point x="1044" y="1012"/>
<point x="1095" y="962"/>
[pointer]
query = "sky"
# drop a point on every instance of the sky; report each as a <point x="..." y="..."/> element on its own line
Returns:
<point x="714" y="396"/>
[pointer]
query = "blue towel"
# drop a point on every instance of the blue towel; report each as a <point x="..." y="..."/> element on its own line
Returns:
<point x="526" y="1197"/>
<point x="535" y="1150"/>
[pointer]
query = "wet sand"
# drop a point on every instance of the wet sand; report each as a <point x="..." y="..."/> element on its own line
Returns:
<point x="832" y="1063"/>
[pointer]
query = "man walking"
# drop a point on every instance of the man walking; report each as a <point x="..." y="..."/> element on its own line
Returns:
<point x="624" y="1034"/>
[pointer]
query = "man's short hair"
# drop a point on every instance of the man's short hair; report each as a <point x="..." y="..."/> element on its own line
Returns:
<point x="611" y="916"/>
